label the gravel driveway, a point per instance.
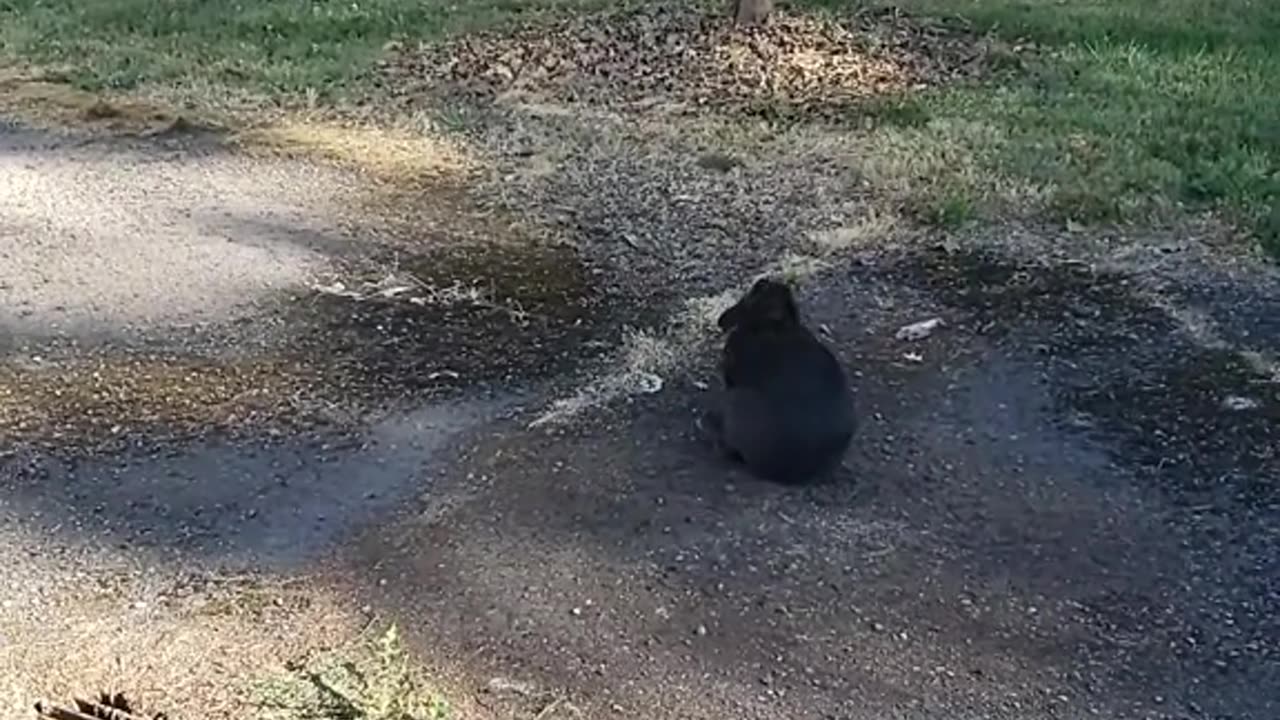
(1063, 504)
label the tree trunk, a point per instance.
(750, 12)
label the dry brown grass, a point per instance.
(40, 99)
(874, 227)
(647, 357)
(92, 395)
(191, 658)
(391, 154)
(945, 159)
(644, 361)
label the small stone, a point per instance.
(1238, 404)
(503, 685)
(718, 161)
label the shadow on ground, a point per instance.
(213, 356)
(1059, 512)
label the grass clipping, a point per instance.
(647, 356)
(377, 682)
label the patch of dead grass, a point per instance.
(390, 154)
(165, 657)
(918, 166)
(646, 357)
(796, 267)
(870, 229)
(39, 99)
(92, 397)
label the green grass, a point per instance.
(949, 210)
(271, 46)
(1134, 108)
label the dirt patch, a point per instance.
(46, 100)
(460, 316)
(1206, 425)
(1002, 550)
(1129, 371)
(108, 396)
(668, 55)
(390, 287)
(188, 650)
(400, 329)
(1001, 292)
(574, 118)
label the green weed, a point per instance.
(373, 683)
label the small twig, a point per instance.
(550, 708)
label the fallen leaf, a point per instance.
(919, 330)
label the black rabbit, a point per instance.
(786, 410)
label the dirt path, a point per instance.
(1065, 501)
(167, 441)
(1054, 517)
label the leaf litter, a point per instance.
(686, 58)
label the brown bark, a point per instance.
(750, 12)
